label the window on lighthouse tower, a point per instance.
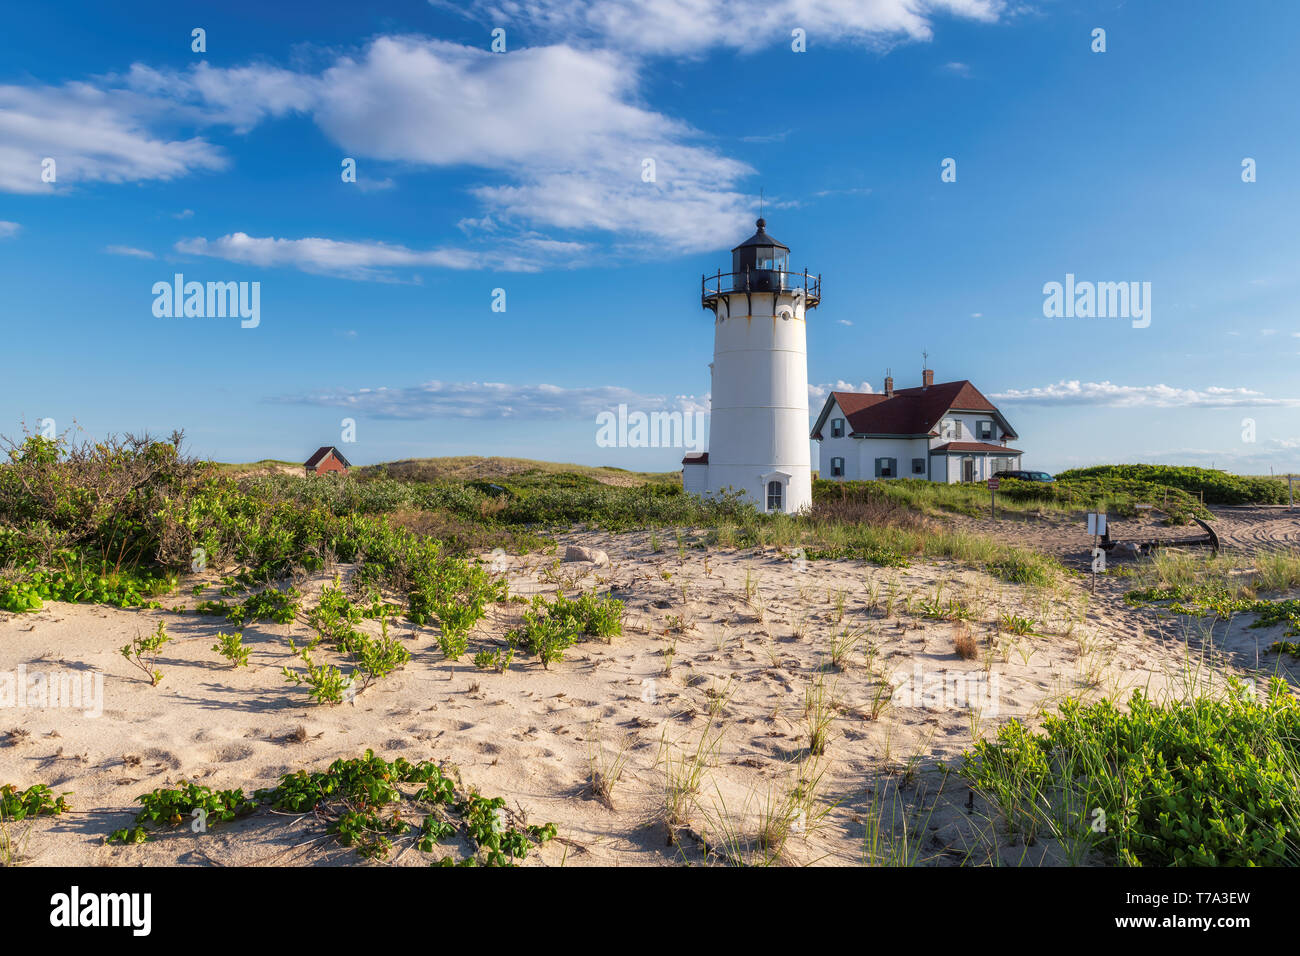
(774, 496)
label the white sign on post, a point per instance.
(1096, 523)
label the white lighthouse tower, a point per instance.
(758, 427)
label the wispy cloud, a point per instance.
(8, 229)
(93, 134)
(489, 400)
(767, 137)
(846, 191)
(378, 260)
(687, 27)
(958, 69)
(129, 251)
(1130, 396)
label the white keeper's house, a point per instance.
(946, 431)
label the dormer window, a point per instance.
(986, 431)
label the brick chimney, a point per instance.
(889, 384)
(927, 377)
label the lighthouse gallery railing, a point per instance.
(761, 280)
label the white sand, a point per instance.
(529, 734)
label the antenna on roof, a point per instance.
(760, 202)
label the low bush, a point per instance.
(1219, 487)
(1205, 782)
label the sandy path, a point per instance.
(1245, 529)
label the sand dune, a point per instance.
(747, 636)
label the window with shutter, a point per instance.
(918, 466)
(837, 428)
(837, 467)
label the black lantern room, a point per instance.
(760, 263)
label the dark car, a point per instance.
(1025, 475)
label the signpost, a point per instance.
(993, 498)
(1097, 528)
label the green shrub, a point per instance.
(1219, 487)
(144, 649)
(362, 801)
(494, 660)
(37, 800)
(269, 605)
(170, 807)
(550, 628)
(1204, 782)
(231, 647)
(326, 684)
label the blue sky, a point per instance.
(522, 171)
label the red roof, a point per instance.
(976, 446)
(322, 453)
(911, 411)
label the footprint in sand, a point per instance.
(231, 753)
(157, 755)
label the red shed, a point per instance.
(327, 459)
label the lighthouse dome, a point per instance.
(760, 262)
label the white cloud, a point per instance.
(490, 400)
(377, 260)
(818, 393)
(1129, 396)
(92, 135)
(240, 97)
(560, 133)
(8, 229)
(843, 322)
(128, 251)
(561, 124)
(958, 69)
(677, 27)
